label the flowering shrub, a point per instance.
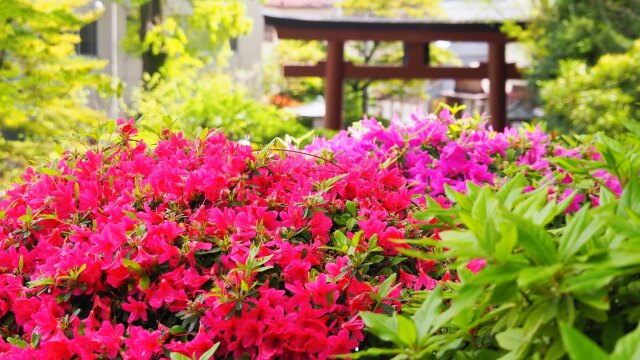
(205, 247)
(553, 286)
(432, 152)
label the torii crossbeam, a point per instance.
(416, 37)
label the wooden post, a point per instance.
(416, 54)
(498, 80)
(334, 75)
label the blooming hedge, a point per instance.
(206, 247)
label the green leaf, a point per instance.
(458, 198)
(110, 126)
(144, 282)
(578, 346)
(606, 196)
(209, 353)
(49, 171)
(17, 342)
(407, 331)
(630, 198)
(494, 275)
(503, 292)
(612, 332)
(41, 282)
(131, 215)
(511, 190)
(510, 339)
(628, 347)
(590, 280)
(368, 353)
(535, 239)
(133, 266)
(385, 288)
(350, 206)
(355, 239)
(177, 329)
(383, 326)
(425, 316)
(178, 356)
(529, 208)
(580, 229)
(537, 274)
(341, 240)
(35, 339)
(465, 301)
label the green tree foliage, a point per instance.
(390, 9)
(597, 98)
(580, 30)
(44, 84)
(213, 101)
(190, 83)
(191, 37)
(567, 38)
(39, 68)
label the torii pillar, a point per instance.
(497, 83)
(333, 87)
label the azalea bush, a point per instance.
(203, 247)
(554, 285)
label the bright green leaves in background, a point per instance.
(193, 85)
(44, 85)
(398, 8)
(594, 98)
(43, 82)
(584, 63)
(556, 285)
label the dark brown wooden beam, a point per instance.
(317, 70)
(352, 71)
(334, 76)
(414, 54)
(497, 79)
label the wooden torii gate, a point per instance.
(416, 37)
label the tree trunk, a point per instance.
(365, 99)
(150, 16)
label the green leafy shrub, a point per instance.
(596, 98)
(44, 83)
(214, 101)
(555, 285)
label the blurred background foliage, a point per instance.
(602, 97)
(184, 63)
(44, 84)
(582, 87)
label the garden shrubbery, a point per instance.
(203, 247)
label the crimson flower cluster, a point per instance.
(137, 253)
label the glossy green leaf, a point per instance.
(578, 346)
(580, 229)
(510, 339)
(133, 266)
(383, 326)
(178, 356)
(425, 317)
(628, 347)
(209, 353)
(407, 331)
